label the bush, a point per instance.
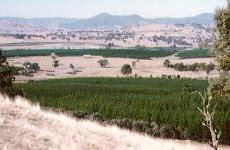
(220, 86)
(179, 67)
(72, 67)
(103, 63)
(166, 63)
(55, 63)
(193, 67)
(6, 72)
(126, 69)
(30, 68)
(7, 77)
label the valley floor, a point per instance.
(89, 67)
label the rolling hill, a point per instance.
(102, 20)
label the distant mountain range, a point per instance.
(110, 20)
(101, 20)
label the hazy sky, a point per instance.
(88, 8)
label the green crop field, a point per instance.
(137, 99)
(196, 53)
(125, 53)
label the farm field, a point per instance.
(89, 67)
(196, 53)
(124, 53)
(142, 101)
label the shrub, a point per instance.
(72, 67)
(103, 63)
(193, 67)
(31, 66)
(126, 69)
(55, 60)
(166, 63)
(6, 72)
(220, 86)
(7, 77)
(55, 63)
(179, 66)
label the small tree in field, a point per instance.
(126, 69)
(7, 77)
(6, 72)
(73, 69)
(166, 63)
(30, 68)
(55, 60)
(103, 63)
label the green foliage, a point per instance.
(55, 60)
(193, 67)
(221, 50)
(30, 68)
(220, 86)
(124, 53)
(103, 63)
(221, 46)
(224, 60)
(6, 72)
(55, 63)
(138, 99)
(193, 54)
(72, 67)
(7, 77)
(126, 69)
(166, 63)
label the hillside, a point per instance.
(102, 20)
(107, 20)
(25, 127)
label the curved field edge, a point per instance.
(131, 103)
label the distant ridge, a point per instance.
(101, 20)
(105, 19)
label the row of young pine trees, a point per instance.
(217, 87)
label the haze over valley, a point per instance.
(128, 75)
